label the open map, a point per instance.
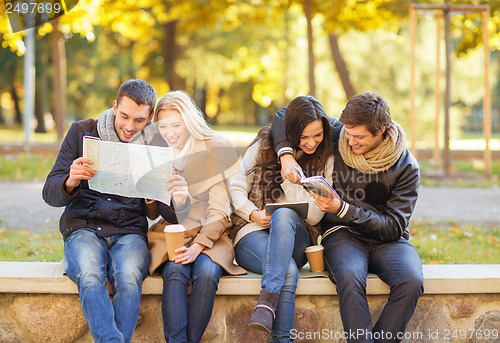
(131, 170)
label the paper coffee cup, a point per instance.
(314, 255)
(174, 236)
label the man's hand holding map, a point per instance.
(131, 170)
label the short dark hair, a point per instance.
(138, 90)
(368, 109)
(301, 112)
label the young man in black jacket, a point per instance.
(104, 234)
(365, 226)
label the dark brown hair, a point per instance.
(368, 109)
(138, 90)
(267, 168)
(301, 111)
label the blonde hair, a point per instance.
(196, 125)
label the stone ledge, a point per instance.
(48, 278)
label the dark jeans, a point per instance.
(348, 260)
(182, 322)
(277, 253)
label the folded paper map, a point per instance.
(130, 170)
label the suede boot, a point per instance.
(264, 312)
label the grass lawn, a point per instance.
(28, 247)
(456, 243)
(437, 243)
(25, 166)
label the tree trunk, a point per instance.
(214, 120)
(60, 82)
(307, 11)
(200, 99)
(42, 85)
(40, 122)
(341, 67)
(171, 52)
(19, 117)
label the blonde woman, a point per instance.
(200, 201)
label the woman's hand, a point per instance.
(178, 189)
(290, 169)
(260, 218)
(188, 255)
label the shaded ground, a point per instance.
(475, 205)
(22, 206)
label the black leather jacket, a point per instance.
(375, 207)
(107, 214)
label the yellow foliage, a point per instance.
(435, 262)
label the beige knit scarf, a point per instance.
(380, 158)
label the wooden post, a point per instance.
(445, 9)
(437, 93)
(413, 124)
(487, 96)
(447, 96)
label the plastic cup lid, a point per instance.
(314, 248)
(174, 228)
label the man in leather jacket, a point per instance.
(365, 226)
(104, 234)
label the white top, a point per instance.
(241, 185)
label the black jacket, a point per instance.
(375, 207)
(107, 214)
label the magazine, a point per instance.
(301, 208)
(316, 184)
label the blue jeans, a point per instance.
(349, 259)
(124, 259)
(277, 253)
(183, 322)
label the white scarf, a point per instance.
(107, 131)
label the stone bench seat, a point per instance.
(48, 277)
(38, 303)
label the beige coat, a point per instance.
(206, 171)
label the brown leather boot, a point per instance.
(264, 312)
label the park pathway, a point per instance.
(22, 206)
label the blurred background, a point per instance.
(241, 61)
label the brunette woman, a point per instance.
(274, 245)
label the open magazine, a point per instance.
(316, 184)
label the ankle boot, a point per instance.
(264, 312)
